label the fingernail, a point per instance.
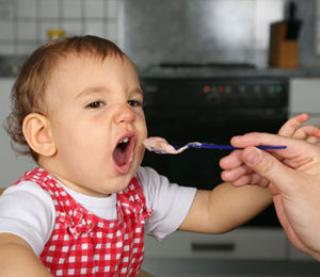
(252, 157)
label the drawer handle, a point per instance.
(206, 247)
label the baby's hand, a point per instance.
(236, 172)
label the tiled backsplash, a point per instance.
(24, 23)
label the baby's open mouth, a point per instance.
(122, 154)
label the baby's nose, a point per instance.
(124, 114)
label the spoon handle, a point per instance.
(230, 147)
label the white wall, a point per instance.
(305, 98)
(11, 166)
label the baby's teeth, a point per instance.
(125, 140)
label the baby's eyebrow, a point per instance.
(102, 89)
(91, 90)
(137, 91)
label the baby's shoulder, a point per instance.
(27, 211)
(147, 177)
(28, 187)
(27, 192)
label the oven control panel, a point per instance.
(244, 94)
(234, 94)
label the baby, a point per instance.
(78, 110)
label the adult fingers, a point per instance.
(290, 127)
(294, 147)
(235, 173)
(306, 132)
(270, 168)
(232, 160)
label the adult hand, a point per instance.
(295, 200)
(238, 173)
(294, 182)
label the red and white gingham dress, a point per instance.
(83, 244)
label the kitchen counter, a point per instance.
(203, 72)
(10, 66)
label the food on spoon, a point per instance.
(159, 145)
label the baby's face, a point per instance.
(97, 122)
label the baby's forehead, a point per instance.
(78, 59)
(86, 67)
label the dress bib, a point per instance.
(83, 244)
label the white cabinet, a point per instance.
(192, 254)
(11, 166)
(243, 243)
(305, 97)
(296, 255)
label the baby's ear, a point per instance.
(37, 132)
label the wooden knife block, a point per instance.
(283, 53)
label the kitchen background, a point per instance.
(151, 31)
(215, 51)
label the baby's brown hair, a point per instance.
(30, 86)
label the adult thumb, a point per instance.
(269, 167)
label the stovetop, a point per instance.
(209, 65)
(212, 69)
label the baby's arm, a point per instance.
(18, 259)
(26, 220)
(225, 208)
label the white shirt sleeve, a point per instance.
(169, 202)
(27, 211)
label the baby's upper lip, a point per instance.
(128, 135)
(131, 136)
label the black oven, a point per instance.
(210, 109)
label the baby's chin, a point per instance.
(118, 184)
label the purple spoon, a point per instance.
(162, 146)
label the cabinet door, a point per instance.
(304, 96)
(243, 243)
(11, 165)
(296, 255)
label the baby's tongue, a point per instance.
(120, 156)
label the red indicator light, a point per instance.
(206, 89)
(220, 89)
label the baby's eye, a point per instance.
(135, 103)
(95, 104)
